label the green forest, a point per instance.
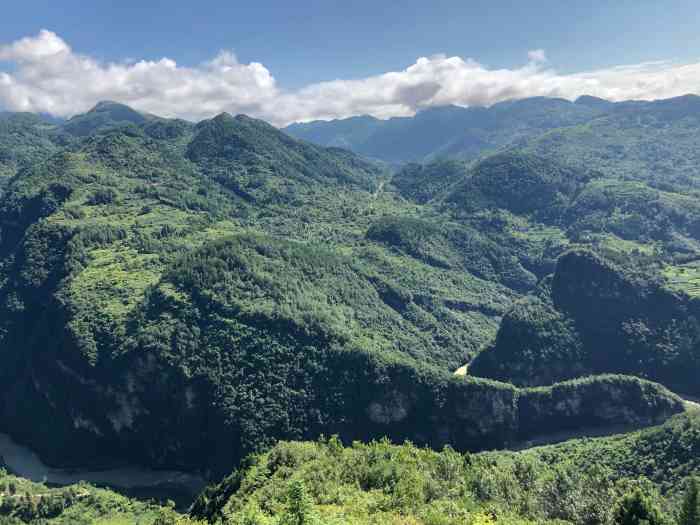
(479, 316)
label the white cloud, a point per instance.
(48, 76)
(46, 44)
(537, 55)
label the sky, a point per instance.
(288, 61)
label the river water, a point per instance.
(23, 462)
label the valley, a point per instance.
(223, 304)
(23, 462)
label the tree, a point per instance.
(299, 509)
(250, 515)
(168, 516)
(638, 508)
(690, 511)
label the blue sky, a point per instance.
(310, 41)
(302, 44)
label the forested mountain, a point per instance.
(450, 131)
(598, 316)
(655, 136)
(182, 295)
(104, 115)
(655, 142)
(24, 139)
(206, 290)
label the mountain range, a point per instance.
(469, 133)
(227, 295)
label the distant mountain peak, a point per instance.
(103, 104)
(226, 117)
(223, 116)
(105, 114)
(441, 109)
(583, 99)
(110, 105)
(593, 102)
(446, 131)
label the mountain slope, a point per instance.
(25, 139)
(599, 317)
(183, 295)
(521, 184)
(655, 142)
(23, 502)
(104, 115)
(264, 160)
(450, 131)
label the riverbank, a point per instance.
(131, 479)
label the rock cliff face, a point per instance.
(594, 402)
(151, 413)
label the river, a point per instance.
(23, 462)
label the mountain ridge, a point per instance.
(478, 130)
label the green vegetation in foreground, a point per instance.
(665, 454)
(23, 501)
(586, 481)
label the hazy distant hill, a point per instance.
(448, 131)
(615, 132)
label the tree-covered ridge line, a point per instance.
(450, 131)
(470, 133)
(23, 501)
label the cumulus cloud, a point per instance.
(48, 76)
(45, 44)
(537, 55)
